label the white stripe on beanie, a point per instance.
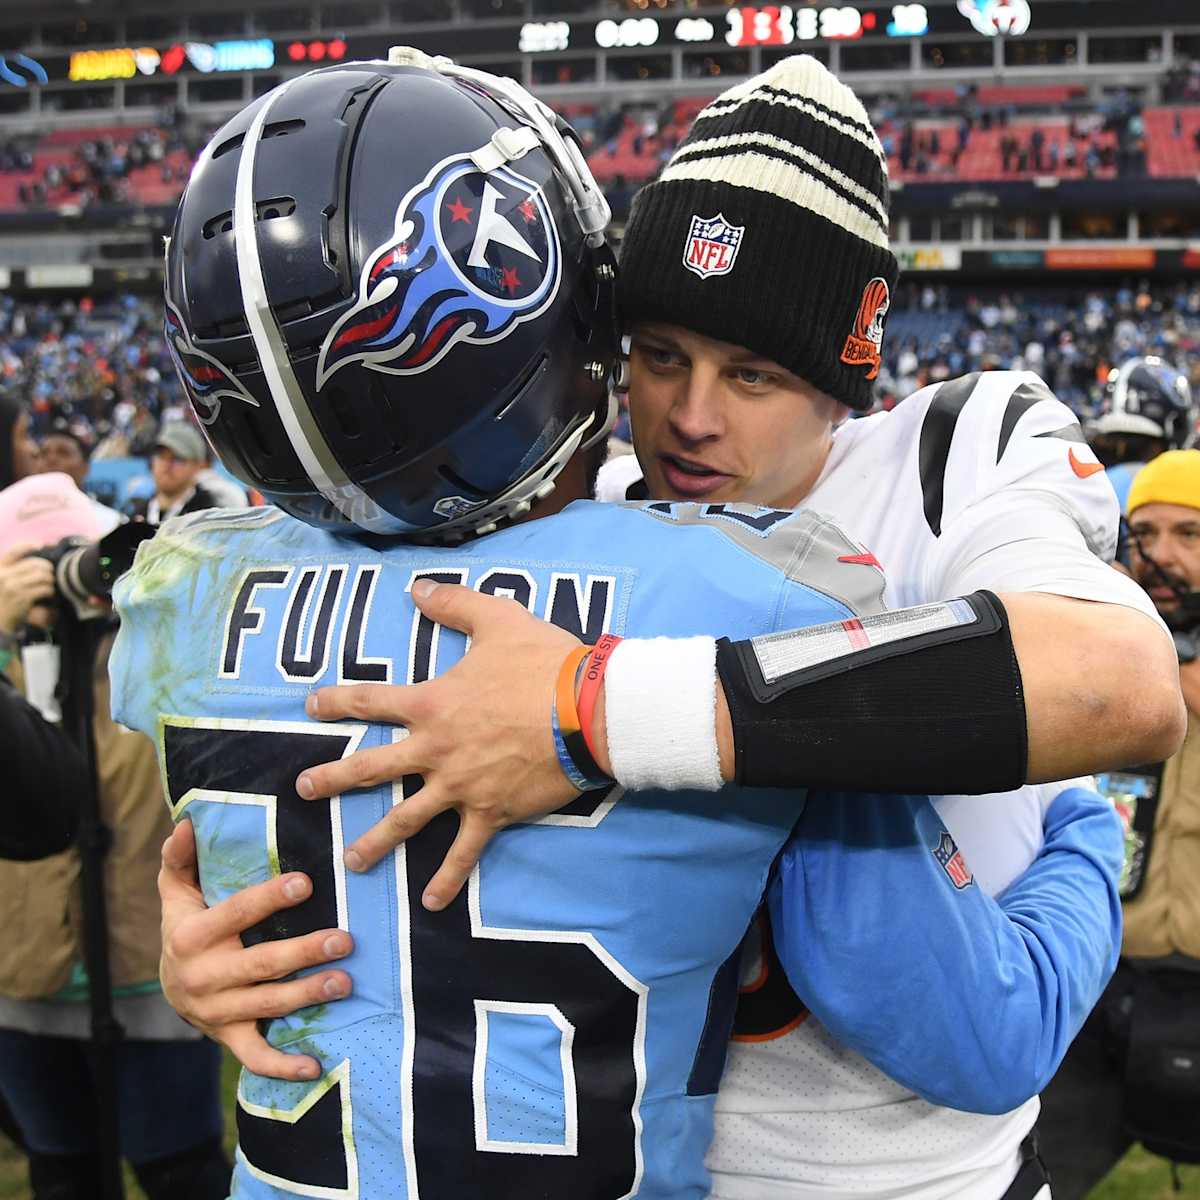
(768, 141)
(785, 181)
(801, 82)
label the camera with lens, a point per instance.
(85, 570)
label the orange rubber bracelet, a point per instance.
(564, 692)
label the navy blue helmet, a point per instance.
(390, 299)
(1146, 397)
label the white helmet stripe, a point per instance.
(313, 451)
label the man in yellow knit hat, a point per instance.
(1134, 1072)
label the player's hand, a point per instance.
(221, 986)
(479, 735)
(23, 582)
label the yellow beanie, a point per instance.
(1171, 478)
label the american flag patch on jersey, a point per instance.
(950, 859)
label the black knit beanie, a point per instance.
(769, 229)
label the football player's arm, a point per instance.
(1074, 686)
(225, 988)
(968, 1001)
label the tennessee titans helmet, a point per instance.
(390, 300)
(1146, 397)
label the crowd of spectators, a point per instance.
(924, 139)
(97, 170)
(925, 134)
(937, 333)
(101, 366)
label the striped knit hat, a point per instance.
(769, 229)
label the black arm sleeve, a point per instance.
(934, 713)
(43, 778)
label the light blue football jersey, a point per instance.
(560, 1030)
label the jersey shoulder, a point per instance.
(1002, 437)
(801, 545)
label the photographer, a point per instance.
(39, 805)
(164, 1077)
(39, 809)
(1134, 1072)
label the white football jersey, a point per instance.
(980, 482)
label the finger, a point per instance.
(31, 570)
(237, 913)
(17, 552)
(363, 769)
(258, 1056)
(460, 607)
(460, 861)
(273, 960)
(267, 1001)
(390, 704)
(178, 881)
(401, 822)
(179, 850)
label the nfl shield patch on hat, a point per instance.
(712, 246)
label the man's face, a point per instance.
(60, 453)
(715, 422)
(173, 475)
(25, 457)
(1170, 535)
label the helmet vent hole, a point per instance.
(221, 223)
(229, 144)
(271, 210)
(282, 128)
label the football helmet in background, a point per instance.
(390, 299)
(1146, 397)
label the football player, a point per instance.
(559, 1029)
(1147, 408)
(752, 278)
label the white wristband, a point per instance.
(660, 704)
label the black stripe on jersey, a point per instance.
(687, 154)
(1068, 433)
(937, 432)
(1019, 403)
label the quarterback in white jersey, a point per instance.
(983, 481)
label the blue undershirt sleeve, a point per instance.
(969, 1001)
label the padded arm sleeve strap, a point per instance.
(925, 699)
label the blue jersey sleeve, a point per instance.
(969, 1001)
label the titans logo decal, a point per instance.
(472, 255)
(206, 380)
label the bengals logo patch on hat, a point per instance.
(863, 346)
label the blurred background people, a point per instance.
(180, 457)
(68, 449)
(167, 1075)
(1133, 1073)
(1146, 409)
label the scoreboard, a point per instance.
(738, 26)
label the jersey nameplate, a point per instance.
(318, 618)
